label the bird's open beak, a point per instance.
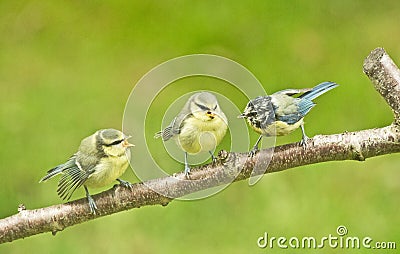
(210, 114)
(126, 144)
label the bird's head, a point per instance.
(113, 142)
(259, 112)
(249, 111)
(204, 106)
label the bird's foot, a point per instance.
(92, 205)
(187, 171)
(125, 184)
(303, 142)
(253, 152)
(213, 159)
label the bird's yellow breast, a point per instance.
(278, 128)
(107, 171)
(199, 136)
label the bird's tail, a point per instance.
(318, 90)
(51, 173)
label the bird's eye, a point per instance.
(116, 142)
(202, 107)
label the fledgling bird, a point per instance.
(280, 114)
(199, 127)
(101, 159)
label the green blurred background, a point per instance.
(67, 68)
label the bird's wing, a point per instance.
(174, 128)
(57, 170)
(293, 91)
(292, 112)
(75, 172)
(169, 131)
(305, 106)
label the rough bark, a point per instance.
(231, 166)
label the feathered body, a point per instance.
(280, 113)
(101, 159)
(199, 127)
(201, 135)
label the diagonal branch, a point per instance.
(385, 76)
(346, 146)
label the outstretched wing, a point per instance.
(73, 176)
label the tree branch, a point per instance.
(385, 76)
(346, 146)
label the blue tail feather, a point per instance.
(318, 90)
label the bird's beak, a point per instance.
(126, 144)
(241, 116)
(210, 114)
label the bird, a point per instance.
(280, 113)
(199, 127)
(101, 159)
